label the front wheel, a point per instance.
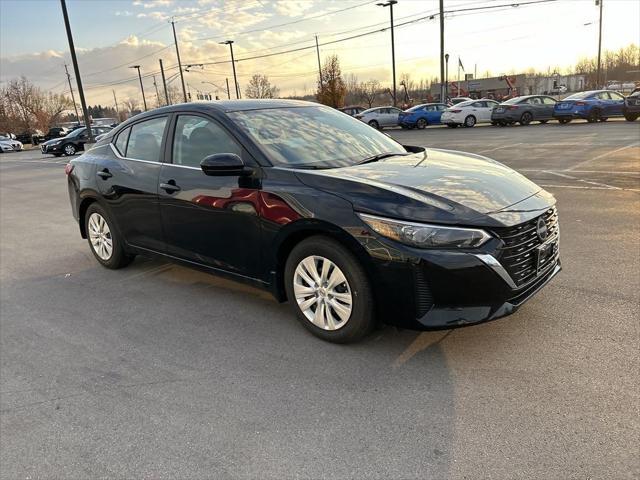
(329, 290)
(104, 241)
(421, 124)
(69, 149)
(593, 116)
(470, 121)
(630, 118)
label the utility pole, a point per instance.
(390, 4)
(164, 83)
(599, 2)
(175, 39)
(442, 81)
(76, 70)
(73, 99)
(115, 102)
(144, 100)
(458, 89)
(446, 78)
(228, 91)
(319, 67)
(233, 64)
(157, 93)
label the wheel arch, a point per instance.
(82, 211)
(300, 231)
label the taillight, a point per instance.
(580, 103)
(68, 168)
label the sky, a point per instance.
(112, 35)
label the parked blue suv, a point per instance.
(422, 115)
(592, 106)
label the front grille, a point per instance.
(519, 254)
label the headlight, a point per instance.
(423, 235)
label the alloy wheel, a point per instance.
(69, 149)
(100, 236)
(322, 292)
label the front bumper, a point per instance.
(51, 148)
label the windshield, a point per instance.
(417, 107)
(579, 95)
(77, 132)
(3, 138)
(313, 137)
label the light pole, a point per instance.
(390, 4)
(446, 77)
(233, 64)
(599, 2)
(144, 100)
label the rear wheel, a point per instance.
(69, 149)
(329, 290)
(526, 118)
(470, 121)
(630, 117)
(594, 115)
(374, 124)
(421, 123)
(104, 241)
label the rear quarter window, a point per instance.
(121, 141)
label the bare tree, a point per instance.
(332, 89)
(369, 91)
(260, 87)
(353, 94)
(131, 106)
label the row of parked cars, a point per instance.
(593, 106)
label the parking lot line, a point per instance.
(606, 154)
(500, 148)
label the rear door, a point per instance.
(209, 220)
(128, 182)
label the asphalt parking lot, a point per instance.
(157, 371)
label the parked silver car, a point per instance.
(380, 117)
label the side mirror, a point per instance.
(224, 164)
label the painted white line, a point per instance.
(581, 180)
(584, 187)
(582, 171)
(500, 148)
(606, 154)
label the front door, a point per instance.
(615, 103)
(209, 220)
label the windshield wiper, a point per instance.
(380, 156)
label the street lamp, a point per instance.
(144, 100)
(390, 4)
(446, 77)
(233, 64)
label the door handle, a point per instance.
(104, 173)
(170, 187)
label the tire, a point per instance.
(69, 149)
(594, 115)
(98, 236)
(374, 124)
(452, 125)
(304, 267)
(564, 120)
(421, 124)
(604, 119)
(630, 117)
(494, 123)
(543, 121)
(470, 121)
(526, 118)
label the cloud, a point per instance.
(123, 13)
(293, 8)
(152, 3)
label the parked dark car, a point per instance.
(524, 110)
(56, 132)
(353, 110)
(320, 209)
(34, 137)
(593, 106)
(72, 143)
(631, 107)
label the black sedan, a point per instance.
(72, 143)
(320, 209)
(524, 110)
(631, 107)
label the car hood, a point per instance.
(52, 141)
(434, 185)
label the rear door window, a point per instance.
(121, 141)
(145, 139)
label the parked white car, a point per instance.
(8, 144)
(380, 117)
(469, 113)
